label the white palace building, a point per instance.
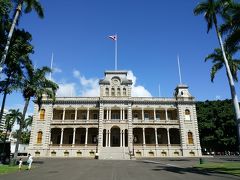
(116, 125)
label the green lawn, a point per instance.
(5, 169)
(226, 167)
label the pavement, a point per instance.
(140, 169)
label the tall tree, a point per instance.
(211, 9)
(231, 26)
(12, 117)
(29, 6)
(16, 61)
(218, 63)
(217, 126)
(35, 84)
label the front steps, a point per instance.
(116, 153)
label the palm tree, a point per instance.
(218, 63)
(35, 84)
(12, 117)
(29, 6)
(211, 9)
(231, 27)
(17, 59)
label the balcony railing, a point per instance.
(71, 121)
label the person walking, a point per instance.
(20, 164)
(29, 161)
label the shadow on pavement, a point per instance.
(179, 170)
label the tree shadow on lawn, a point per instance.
(206, 172)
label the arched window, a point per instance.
(107, 92)
(113, 92)
(187, 114)
(118, 92)
(39, 137)
(190, 138)
(124, 92)
(42, 114)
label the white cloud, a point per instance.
(57, 70)
(218, 97)
(66, 90)
(137, 91)
(89, 87)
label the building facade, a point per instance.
(116, 125)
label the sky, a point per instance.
(151, 34)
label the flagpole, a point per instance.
(159, 90)
(116, 53)
(179, 70)
(50, 76)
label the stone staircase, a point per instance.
(108, 153)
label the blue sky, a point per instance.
(151, 34)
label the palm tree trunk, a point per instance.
(18, 10)
(232, 86)
(20, 127)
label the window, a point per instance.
(146, 116)
(95, 116)
(84, 115)
(157, 116)
(42, 114)
(72, 116)
(190, 138)
(118, 92)
(135, 116)
(115, 116)
(124, 92)
(107, 92)
(187, 114)
(39, 137)
(113, 92)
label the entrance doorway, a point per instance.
(115, 137)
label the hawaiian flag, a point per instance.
(113, 37)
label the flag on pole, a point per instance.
(113, 37)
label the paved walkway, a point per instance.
(76, 169)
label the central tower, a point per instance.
(115, 84)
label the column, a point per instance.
(61, 141)
(156, 137)
(87, 114)
(109, 138)
(107, 114)
(86, 137)
(154, 114)
(106, 138)
(144, 142)
(63, 118)
(121, 136)
(74, 134)
(110, 111)
(168, 136)
(143, 114)
(166, 114)
(75, 114)
(121, 114)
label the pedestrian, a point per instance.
(29, 161)
(20, 164)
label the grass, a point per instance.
(5, 169)
(226, 167)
